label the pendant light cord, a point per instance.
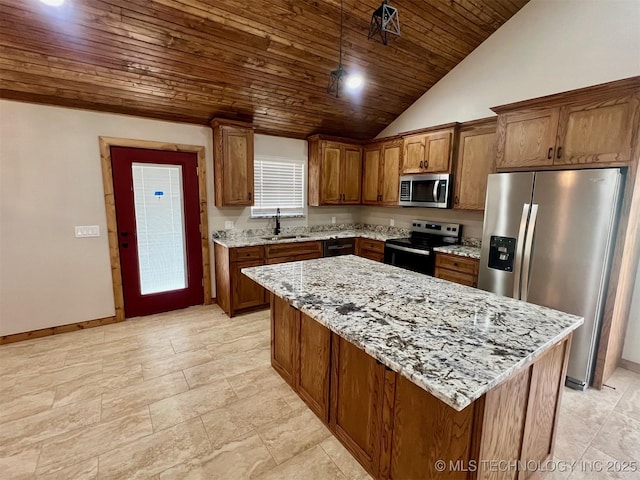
(341, 16)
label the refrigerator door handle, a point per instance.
(517, 270)
(528, 246)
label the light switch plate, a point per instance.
(392, 222)
(85, 231)
(228, 224)
(333, 220)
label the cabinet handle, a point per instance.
(559, 152)
(457, 200)
(421, 162)
(249, 195)
(426, 163)
(550, 153)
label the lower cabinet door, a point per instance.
(246, 292)
(357, 382)
(285, 321)
(426, 430)
(312, 375)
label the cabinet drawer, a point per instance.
(293, 249)
(373, 245)
(455, 262)
(247, 253)
(293, 258)
(456, 277)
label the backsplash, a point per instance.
(472, 242)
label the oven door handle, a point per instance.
(408, 249)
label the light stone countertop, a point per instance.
(306, 237)
(460, 250)
(455, 342)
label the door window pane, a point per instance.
(159, 209)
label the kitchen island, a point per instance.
(408, 370)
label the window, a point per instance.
(279, 183)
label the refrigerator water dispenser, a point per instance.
(502, 252)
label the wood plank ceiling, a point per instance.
(265, 61)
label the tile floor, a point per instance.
(190, 394)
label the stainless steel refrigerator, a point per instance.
(548, 239)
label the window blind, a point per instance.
(278, 183)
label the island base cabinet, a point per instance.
(285, 324)
(357, 382)
(424, 431)
(312, 374)
(397, 431)
(300, 353)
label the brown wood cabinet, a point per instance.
(593, 128)
(475, 160)
(335, 172)
(300, 353)
(235, 291)
(381, 173)
(371, 249)
(357, 382)
(292, 252)
(429, 151)
(454, 268)
(397, 430)
(233, 163)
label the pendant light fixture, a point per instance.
(337, 76)
(383, 21)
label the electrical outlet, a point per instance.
(333, 220)
(392, 222)
(87, 231)
(228, 225)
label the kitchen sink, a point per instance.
(285, 237)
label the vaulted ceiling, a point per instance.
(265, 61)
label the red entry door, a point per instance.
(158, 216)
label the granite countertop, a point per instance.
(455, 342)
(307, 237)
(460, 250)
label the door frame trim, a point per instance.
(109, 202)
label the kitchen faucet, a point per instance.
(276, 231)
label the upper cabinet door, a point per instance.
(527, 139)
(330, 173)
(414, 154)
(238, 167)
(371, 176)
(233, 164)
(475, 161)
(391, 160)
(597, 132)
(351, 179)
(438, 152)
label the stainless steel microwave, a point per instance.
(426, 190)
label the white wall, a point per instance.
(632, 341)
(51, 180)
(549, 46)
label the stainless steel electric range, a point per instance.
(416, 252)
